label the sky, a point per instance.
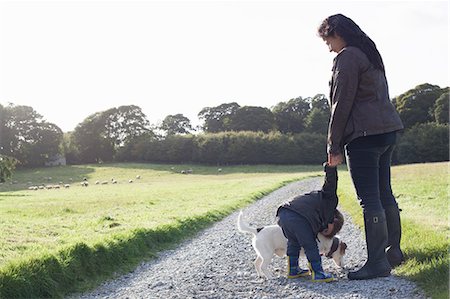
(70, 59)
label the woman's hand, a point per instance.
(335, 160)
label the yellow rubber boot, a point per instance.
(294, 271)
(317, 273)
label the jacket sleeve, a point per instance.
(329, 186)
(344, 88)
(329, 194)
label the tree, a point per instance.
(416, 105)
(317, 119)
(7, 166)
(2, 128)
(251, 118)
(440, 109)
(70, 149)
(27, 137)
(18, 123)
(91, 140)
(176, 124)
(319, 101)
(125, 123)
(217, 119)
(102, 134)
(47, 144)
(290, 116)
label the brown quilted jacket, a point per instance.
(359, 101)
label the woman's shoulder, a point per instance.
(352, 55)
(351, 51)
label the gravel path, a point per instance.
(218, 263)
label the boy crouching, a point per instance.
(302, 218)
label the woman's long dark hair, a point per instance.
(352, 35)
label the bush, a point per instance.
(177, 148)
(210, 148)
(423, 143)
(311, 148)
(245, 147)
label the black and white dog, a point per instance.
(270, 240)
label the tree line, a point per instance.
(27, 137)
(125, 134)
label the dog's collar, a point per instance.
(333, 248)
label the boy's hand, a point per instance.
(327, 232)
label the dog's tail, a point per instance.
(243, 226)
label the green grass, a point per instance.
(54, 242)
(422, 194)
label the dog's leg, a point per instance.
(264, 266)
(280, 252)
(258, 263)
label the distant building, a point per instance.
(56, 160)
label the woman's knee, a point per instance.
(371, 206)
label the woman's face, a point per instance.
(335, 43)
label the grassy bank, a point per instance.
(57, 241)
(422, 193)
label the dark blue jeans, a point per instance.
(299, 233)
(370, 170)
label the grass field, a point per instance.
(422, 191)
(52, 240)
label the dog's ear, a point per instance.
(343, 247)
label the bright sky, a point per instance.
(69, 59)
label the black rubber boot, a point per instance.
(377, 264)
(394, 254)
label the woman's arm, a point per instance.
(345, 86)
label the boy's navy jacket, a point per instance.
(318, 206)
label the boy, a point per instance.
(303, 217)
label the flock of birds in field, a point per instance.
(85, 182)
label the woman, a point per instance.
(364, 124)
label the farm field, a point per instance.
(56, 223)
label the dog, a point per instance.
(270, 240)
